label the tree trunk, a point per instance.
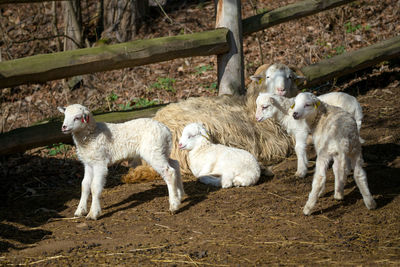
(73, 25)
(122, 18)
(230, 65)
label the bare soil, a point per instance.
(258, 225)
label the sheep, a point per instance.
(102, 144)
(336, 137)
(277, 107)
(279, 79)
(348, 103)
(236, 167)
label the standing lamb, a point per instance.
(277, 107)
(279, 79)
(336, 137)
(236, 167)
(102, 144)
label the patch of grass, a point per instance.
(137, 103)
(350, 28)
(112, 97)
(340, 49)
(59, 148)
(165, 84)
(210, 87)
(201, 69)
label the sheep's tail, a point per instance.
(211, 180)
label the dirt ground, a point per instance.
(258, 225)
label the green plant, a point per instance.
(340, 50)
(165, 84)
(144, 102)
(126, 106)
(211, 87)
(59, 148)
(112, 97)
(202, 69)
(350, 28)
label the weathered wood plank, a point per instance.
(350, 62)
(42, 68)
(289, 12)
(49, 133)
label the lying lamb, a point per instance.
(279, 79)
(277, 107)
(336, 137)
(236, 167)
(102, 144)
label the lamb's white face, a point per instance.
(279, 81)
(76, 118)
(265, 107)
(305, 105)
(191, 135)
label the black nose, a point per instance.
(295, 115)
(64, 127)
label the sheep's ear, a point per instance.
(272, 101)
(299, 79)
(61, 109)
(257, 78)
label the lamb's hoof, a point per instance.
(174, 206)
(301, 174)
(93, 215)
(80, 212)
(307, 210)
(338, 196)
(371, 204)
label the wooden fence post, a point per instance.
(230, 65)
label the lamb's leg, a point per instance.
(99, 180)
(175, 164)
(169, 174)
(86, 182)
(340, 172)
(301, 152)
(361, 180)
(317, 184)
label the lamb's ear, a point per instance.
(61, 109)
(257, 78)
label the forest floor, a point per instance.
(257, 225)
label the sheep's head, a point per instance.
(192, 135)
(266, 106)
(77, 118)
(279, 79)
(305, 105)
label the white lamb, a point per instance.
(347, 102)
(336, 137)
(102, 144)
(235, 167)
(277, 107)
(279, 79)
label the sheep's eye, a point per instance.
(265, 107)
(77, 118)
(267, 77)
(307, 105)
